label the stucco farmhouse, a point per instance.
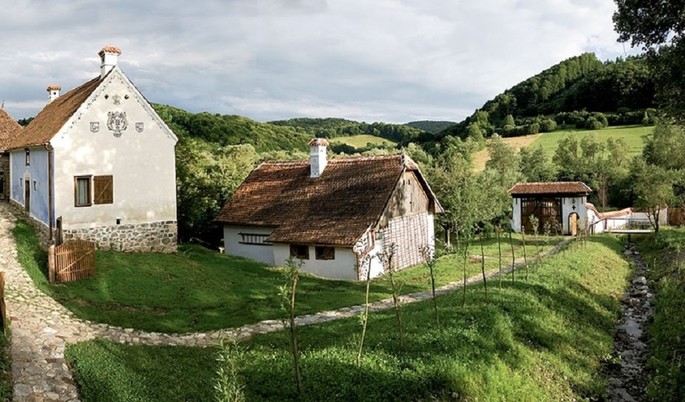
(338, 216)
(97, 163)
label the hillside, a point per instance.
(620, 91)
(431, 126)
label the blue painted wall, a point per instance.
(38, 171)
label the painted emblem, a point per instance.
(140, 126)
(116, 121)
(94, 126)
(116, 99)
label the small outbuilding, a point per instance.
(560, 207)
(337, 216)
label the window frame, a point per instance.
(89, 191)
(324, 253)
(27, 157)
(255, 239)
(296, 251)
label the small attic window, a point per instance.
(27, 160)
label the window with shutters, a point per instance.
(103, 189)
(82, 191)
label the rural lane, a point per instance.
(41, 328)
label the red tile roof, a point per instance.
(555, 187)
(334, 209)
(8, 129)
(110, 49)
(53, 116)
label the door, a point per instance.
(27, 195)
(573, 223)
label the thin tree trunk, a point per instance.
(525, 257)
(482, 267)
(499, 249)
(293, 338)
(365, 314)
(466, 255)
(398, 315)
(513, 258)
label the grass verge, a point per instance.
(665, 254)
(200, 290)
(541, 339)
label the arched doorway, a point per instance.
(573, 223)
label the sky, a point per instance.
(367, 60)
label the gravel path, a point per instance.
(41, 327)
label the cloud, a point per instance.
(389, 60)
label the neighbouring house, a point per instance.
(338, 216)
(600, 222)
(8, 129)
(98, 163)
(560, 207)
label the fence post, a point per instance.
(51, 264)
(3, 308)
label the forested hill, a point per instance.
(333, 127)
(581, 83)
(431, 126)
(223, 130)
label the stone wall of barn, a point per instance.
(143, 237)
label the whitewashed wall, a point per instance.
(233, 245)
(342, 267)
(566, 210)
(142, 163)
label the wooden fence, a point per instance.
(71, 261)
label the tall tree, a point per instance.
(659, 27)
(535, 164)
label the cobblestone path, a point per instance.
(41, 327)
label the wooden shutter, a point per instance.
(104, 189)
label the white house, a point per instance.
(98, 163)
(560, 207)
(338, 216)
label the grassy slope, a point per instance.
(200, 290)
(665, 255)
(360, 141)
(549, 141)
(542, 339)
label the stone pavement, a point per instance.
(41, 327)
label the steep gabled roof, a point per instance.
(9, 129)
(53, 116)
(334, 209)
(554, 187)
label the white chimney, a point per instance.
(53, 92)
(317, 156)
(108, 59)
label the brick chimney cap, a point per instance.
(54, 87)
(319, 142)
(110, 49)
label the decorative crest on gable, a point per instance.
(116, 121)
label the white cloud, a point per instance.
(390, 60)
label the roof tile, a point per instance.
(335, 208)
(555, 187)
(8, 130)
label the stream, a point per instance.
(627, 367)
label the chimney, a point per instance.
(53, 92)
(108, 59)
(317, 156)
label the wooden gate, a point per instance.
(547, 210)
(71, 261)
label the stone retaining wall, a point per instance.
(143, 237)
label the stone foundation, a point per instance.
(144, 237)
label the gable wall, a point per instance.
(142, 165)
(408, 198)
(5, 168)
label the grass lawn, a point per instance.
(200, 290)
(549, 141)
(665, 254)
(360, 141)
(631, 134)
(540, 339)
